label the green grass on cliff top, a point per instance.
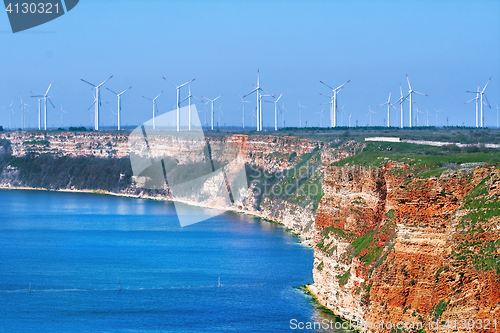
(378, 153)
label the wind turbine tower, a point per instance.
(276, 112)
(178, 88)
(45, 98)
(370, 115)
(388, 109)
(410, 93)
(154, 106)
(97, 100)
(119, 103)
(23, 112)
(300, 114)
(243, 110)
(212, 109)
(483, 96)
(12, 111)
(400, 101)
(258, 89)
(189, 106)
(333, 108)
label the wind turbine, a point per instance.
(220, 111)
(243, 111)
(23, 111)
(39, 114)
(154, 105)
(45, 98)
(275, 111)
(258, 89)
(477, 105)
(97, 101)
(212, 108)
(497, 114)
(62, 112)
(112, 114)
(119, 103)
(300, 114)
(410, 93)
(480, 93)
(370, 115)
(178, 88)
(418, 111)
(189, 106)
(400, 101)
(350, 114)
(11, 110)
(321, 117)
(254, 115)
(389, 108)
(342, 112)
(333, 117)
(437, 111)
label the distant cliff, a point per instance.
(401, 233)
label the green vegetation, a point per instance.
(39, 142)
(77, 129)
(480, 244)
(344, 278)
(46, 171)
(438, 309)
(376, 154)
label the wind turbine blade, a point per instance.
(51, 103)
(182, 85)
(251, 92)
(112, 91)
(471, 100)
(50, 85)
(217, 97)
(326, 84)
(124, 91)
(383, 104)
(93, 85)
(407, 79)
(91, 105)
(170, 82)
(38, 96)
(104, 81)
(158, 95)
(147, 98)
(486, 85)
(341, 86)
(326, 95)
(488, 105)
(420, 93)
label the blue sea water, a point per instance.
(76, 250)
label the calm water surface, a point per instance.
(76, 250)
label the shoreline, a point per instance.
(303, 241)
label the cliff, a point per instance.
(400, 233)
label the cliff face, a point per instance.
(412, 250)
(392, 241)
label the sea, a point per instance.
(83, 262)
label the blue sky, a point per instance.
(446, 48)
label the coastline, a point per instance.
(302, 241)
